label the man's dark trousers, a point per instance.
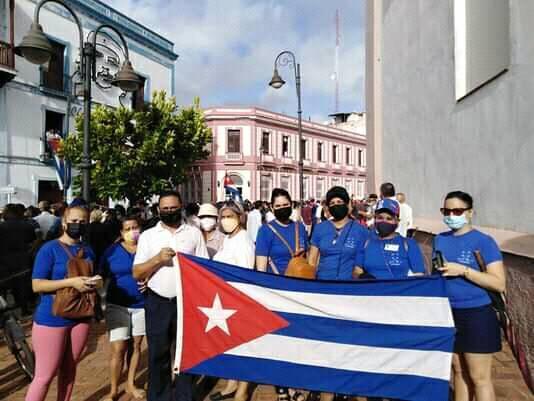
(160, 316)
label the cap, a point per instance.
(207, 209)
(337, 192)
(388, 206)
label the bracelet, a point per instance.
(466, 272)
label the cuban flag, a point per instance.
(375, 338)
(229, 187)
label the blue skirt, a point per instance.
(477, 330)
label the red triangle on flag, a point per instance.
(217, 317)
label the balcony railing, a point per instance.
(7, 55)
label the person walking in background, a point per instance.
(45, 219)
(406, 215)
(125, 313)
(58, 342)
(478, 335)
(307, 213)
(254, 221)
(156, 261)
(208, 216)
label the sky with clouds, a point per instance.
(227, 50)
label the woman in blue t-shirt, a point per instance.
(58, 342)
(336, 243)
(273, 253)
(125, 313)
(477, 330)
(386, 253)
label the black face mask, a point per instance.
(339, 212)
(171, 218)
(283, 214)
(384, 229)
(75, 230)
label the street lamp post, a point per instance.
(36, 48)
(288, 58)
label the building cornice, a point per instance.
(264, 116)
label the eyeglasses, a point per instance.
(457, 211)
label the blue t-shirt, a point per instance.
(338, 249)
(116, 264)
(51, 264)
(391, 258)
(268, 244)
(459, 249)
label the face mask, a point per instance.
(171, 218)
(283, 214)
(384, 229)
(229, 225)
(208, 223)
(132, 236)
(339, 212)
(455, 222)
(75, 230)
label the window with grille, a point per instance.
(265, 142)
(234, 141)
(53, 77)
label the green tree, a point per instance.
(138, 154)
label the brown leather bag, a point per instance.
(70, 303)
(298, 266)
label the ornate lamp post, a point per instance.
(36, 48)
(283, 59)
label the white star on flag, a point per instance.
(217, 316)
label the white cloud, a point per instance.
(227, 49)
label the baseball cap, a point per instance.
(207, 209)
(388, 206)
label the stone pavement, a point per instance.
(93, 375)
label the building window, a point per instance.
(266, 183)
(285, 146)
(53, 133)
(360, 157)
(285, 182)
(361, 189)
(347, 156)
(307, 187)
(320, 151)
(304, 149)
(234, 141)
(334, 154)
(265, 142)
(53, 77)
(138, 97)
(319, 192)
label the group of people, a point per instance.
(347, 241)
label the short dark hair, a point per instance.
(130, 217)
(372, 196)
(463, 196)
(192, 209)
(169, 193)
(387, 189)
(279, 192)
(258, 204)
(337, 192)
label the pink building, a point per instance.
(258, 149)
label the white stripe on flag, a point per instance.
(357, 358)
(412, 311)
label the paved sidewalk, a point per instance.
(93, 375)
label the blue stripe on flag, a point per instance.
(405, 387)
(428, 286)
(368, 334)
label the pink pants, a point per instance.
(57, 350)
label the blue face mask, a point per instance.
(455, 222)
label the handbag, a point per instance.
(298, 266)
(70, 303)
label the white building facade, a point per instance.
(258, 150)
(38, 103)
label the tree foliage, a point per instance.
(138, 154)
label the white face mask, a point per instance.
(208, 223)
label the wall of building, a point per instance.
(432, 144)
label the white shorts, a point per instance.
(124, 323)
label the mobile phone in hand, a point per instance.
(437, 262)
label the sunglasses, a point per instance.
(457, 211)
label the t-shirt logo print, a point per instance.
(217, 315)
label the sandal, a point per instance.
(298, 396)
(218, 396)
(137, 394)
(313, 396)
